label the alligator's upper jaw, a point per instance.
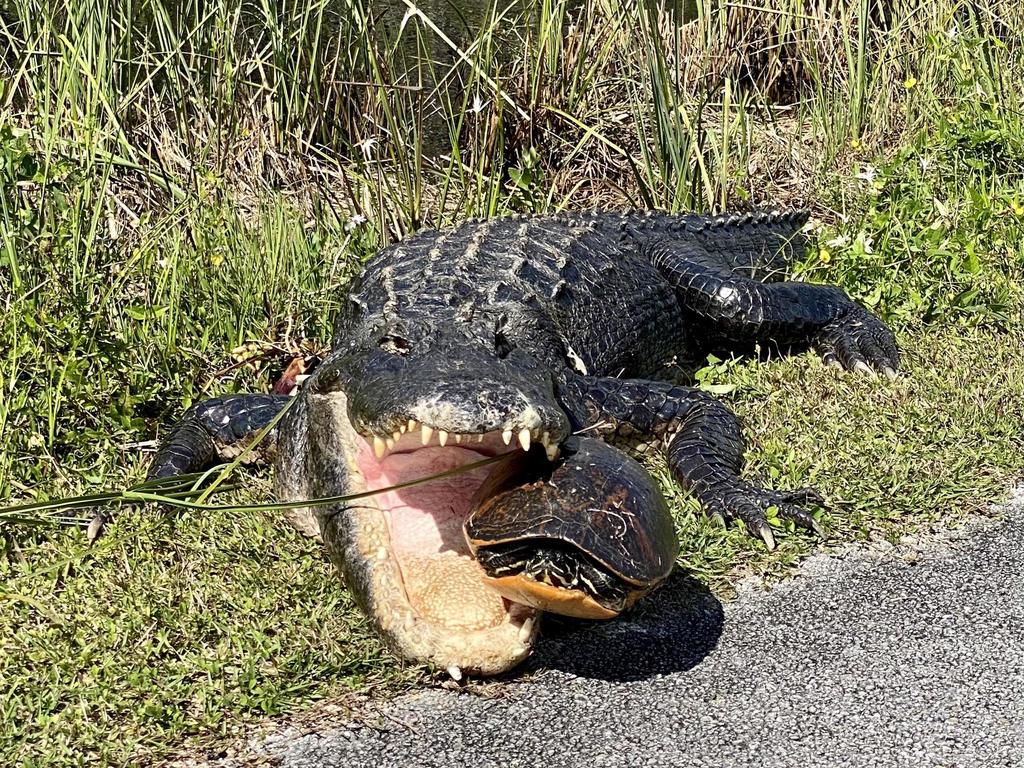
(404, 552)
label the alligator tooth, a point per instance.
(379, 447)
(458, 438)
(524, 439)
(413, 424)
(426, 434)
(397, 436)
(526, 630)
(402, 428)
(455, 673)
(507, 436)
(480, 437)
(389, 443)
(442, 437)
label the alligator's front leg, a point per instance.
(219, 428)
(703, 441)
(738, 309)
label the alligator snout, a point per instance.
(478, 407)
(441, 396)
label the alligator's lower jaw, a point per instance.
(403, 553)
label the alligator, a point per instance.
(495, 336)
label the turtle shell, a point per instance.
(552, 599)
(595, 498)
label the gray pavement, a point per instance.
(890, 656)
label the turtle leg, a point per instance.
(219, 428)
(735, 308)
(702, 439)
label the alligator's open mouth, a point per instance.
(443, 582)
(409, 552)
(403, 552)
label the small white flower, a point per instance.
(838, 242)
(953, 32)
(478, 105)
(367, 146)
(868, 174)
(926, 163)
(355, 221)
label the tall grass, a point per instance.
(270, 94)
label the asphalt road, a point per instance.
(899, 656)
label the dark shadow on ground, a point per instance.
(671, 630)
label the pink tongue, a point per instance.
(426, 518)
(443, 582)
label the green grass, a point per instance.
(940, 443)
(186, 188)
(121, 648)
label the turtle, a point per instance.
(586, 536)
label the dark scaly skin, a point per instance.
(532, 327)
(704, 443)
(743, 309)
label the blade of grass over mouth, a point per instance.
(190, 495)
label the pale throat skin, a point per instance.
(459, 344)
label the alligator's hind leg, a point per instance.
(703, 441)
(219, 428)
(739, 309)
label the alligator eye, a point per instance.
(395, 345)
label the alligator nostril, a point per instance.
(502, 345)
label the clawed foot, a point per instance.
(750, 505)
(858, 341)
